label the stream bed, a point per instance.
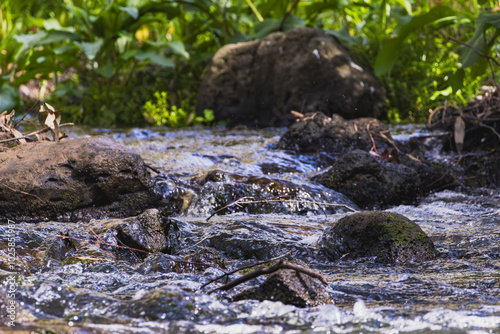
(459, 292)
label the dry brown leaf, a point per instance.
(5, 120)
(18, 135)
(459, 133)
(6, 125)
(52, 118)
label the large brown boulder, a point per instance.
(79, 178)
(303, 69)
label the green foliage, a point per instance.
(408, 45)
(160, 112)
(107, 58)
(207, 118)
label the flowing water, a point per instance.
(458, 292)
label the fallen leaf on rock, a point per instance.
(52, 118)
(459, 133)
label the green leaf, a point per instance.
(9, 97)
(128, 54)
(106, 70)
(90, 49)
(292, 22)
(344, 37)
(387, 55)
(392, 47)
(478, 40)
(29, 41)
(457, 80)
(178, 48)
(56, 36)
(131, 10)
(155, 58)
(238, 37)
(315, 7)
(479, 68)
(264, 28)
(406, 4)
(169, 8)
(51, 24)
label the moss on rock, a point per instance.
(389, 237)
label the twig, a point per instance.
(131, 248)
(491, 128)
(27, 113)
(104, 243)
(196, 244)
(98, 237)
(244, 267)
(374, 147)
(280, 27)
(34, 133)
(241, 200)
(264, 271)
(153, 169)
(24, 193)
(381, 135)
(479, 52)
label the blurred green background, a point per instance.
(107, 63)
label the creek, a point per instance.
(457, 292)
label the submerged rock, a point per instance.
(389, 237)
(304, 69)
(289, 287)
(218, 189)
(109, 240)
(78, 178)
(149, 231)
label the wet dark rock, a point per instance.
(246, 239)
(303, 69)
(271, 195)
(389, 237)
(149, 231)
(289, 287)
(176, 194)
(370, 181)
(73, 179)
(163, 303)
(365, 163)
(316, 132)
(157, 263)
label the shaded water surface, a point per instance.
(457, 292)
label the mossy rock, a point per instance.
(389, 237)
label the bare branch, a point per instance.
(243, 200)
(24, 193)
(244, 267)
(34, 133)
(287, 14)
(264, 271)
